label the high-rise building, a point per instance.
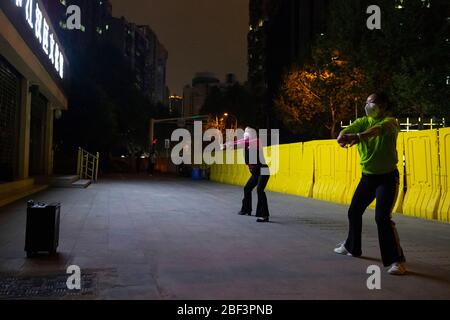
(194, 96)
(139, 45)
(281, 33)
(95, 17)
(160, 90)
(146, 56)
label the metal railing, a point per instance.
(87, 165)
(418, 124)
(414, 124)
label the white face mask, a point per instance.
(372, 110)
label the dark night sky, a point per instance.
(200, 35)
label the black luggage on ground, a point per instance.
(42, 233)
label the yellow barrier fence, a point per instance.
(307, 171)
(214, 172)
(354, 174)
(444, 151)
(322, 170)
(280, 180)
(293, 181)
(342, 174)
(268, 155)
(422, 174)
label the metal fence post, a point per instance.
(96, 167)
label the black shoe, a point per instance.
(265, 219)
(244, 213)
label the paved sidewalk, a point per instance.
(139, 237)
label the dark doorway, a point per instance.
(9, 121)
(37, 134)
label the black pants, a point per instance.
(262, 208)
(385, 189)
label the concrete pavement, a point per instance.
(142, 237)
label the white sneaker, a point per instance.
(397, 269)
(341, 250)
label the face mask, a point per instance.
(372, 110)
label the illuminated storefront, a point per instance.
(33, 75)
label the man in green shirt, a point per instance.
(376, 138)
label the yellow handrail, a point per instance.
(87, 165)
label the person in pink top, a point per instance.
(254, 158)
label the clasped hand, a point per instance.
(348, 140)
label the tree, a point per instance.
(323, 93)
(408, 57)
(412, 89)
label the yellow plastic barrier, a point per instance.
(422, 174)
(307, 171)
(341, 174)
(444, 150)
(271, 161)
(214, 173)
(279, 180)
(223, 174)
(229, 175)
(218, 170)
(292, 184)
(354, 174)
(324, 170)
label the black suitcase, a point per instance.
(42, 233)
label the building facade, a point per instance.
(34, 70)
(95, 16)
(194, 95)
(139, 45)
(145, 55)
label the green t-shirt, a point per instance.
(378, 154)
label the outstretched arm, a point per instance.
(239, 142)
